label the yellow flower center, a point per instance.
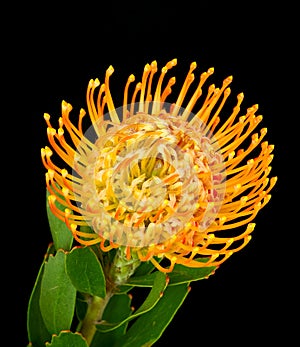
(150, 177)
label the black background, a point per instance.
(51, 53)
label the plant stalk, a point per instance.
(93, 315)
(118, 273)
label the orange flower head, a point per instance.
(164, 179)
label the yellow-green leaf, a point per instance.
(67, 339)
(61, 235)
(149, 327)
(58, 295)
(156, 292)
(36, 329)
(85, 271)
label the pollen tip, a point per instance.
(82, 112)
(268, 170)
(228, 79)
(271, 147)
(274, 179)
(263, 131)
(51, 131)
(242, 119)
(110, 70)
(65, 106)
(222, 219)
(46, 116)
(271, 157)
(251, 226)
(237, 186)
(51, 198)
(96, 82)
(244, 199)
(73, 226)
(154, 66)
(231, 155)
(65, 191)
(48, 151)
(131, 78)
(227, 91)
(193, 65)
(51, 173)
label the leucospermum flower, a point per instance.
(178, 180)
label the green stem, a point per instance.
(119, 271)
(93, 315)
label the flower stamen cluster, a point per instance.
(163, 179)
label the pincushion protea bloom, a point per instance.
(164, 180)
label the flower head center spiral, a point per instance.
(147, 179)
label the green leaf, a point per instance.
(61, 235)
(141, 281)
(184, 274)
(180, 274)
(149, 327)
(144, 268)
(159, 285)
(58, 295)
(85, 271)
(67, 339)
(118, 309)
(36, 329)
